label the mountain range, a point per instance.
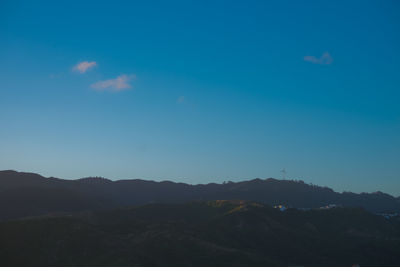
(29, 194)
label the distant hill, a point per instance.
(214, 233)
(29, 194)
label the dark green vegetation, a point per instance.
(91, 222)
(215, 233)
(29, 194)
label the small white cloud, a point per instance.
(84, 66)
(180, 99)
(120, 83)
(325, 59)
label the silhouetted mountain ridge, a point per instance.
(28, 194)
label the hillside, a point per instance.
(216, 233)
(28, 194)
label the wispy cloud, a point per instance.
(180, 99)
(118, 84)
(325, 59)
(54, 76)
(84, 66)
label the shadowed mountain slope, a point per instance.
(215, 233)
(28, 194)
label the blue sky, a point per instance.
(203, 91)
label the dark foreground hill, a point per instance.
(29, 194)
(216, 233)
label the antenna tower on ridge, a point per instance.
(283, 171)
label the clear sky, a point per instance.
(202, 91)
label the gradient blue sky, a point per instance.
(213, 90)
